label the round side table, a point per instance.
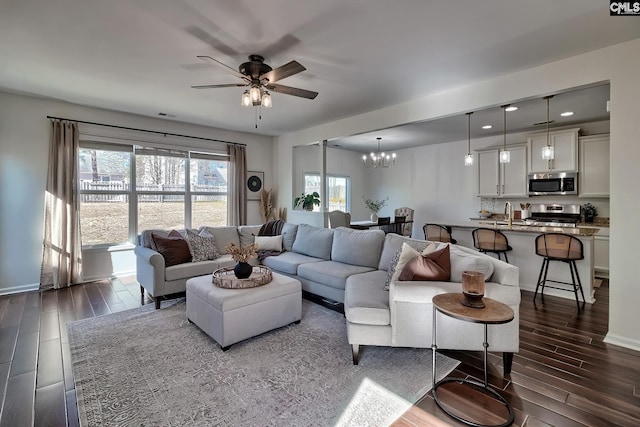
(493, 313)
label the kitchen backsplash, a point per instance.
(497, 205)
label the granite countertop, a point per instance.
(518, 226)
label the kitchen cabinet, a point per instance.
(594, 166)
(565, 147)
(497, 179)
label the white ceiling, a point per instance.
(139, 56)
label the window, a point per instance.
(127, 189)
(337, 191)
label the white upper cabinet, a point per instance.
(594, 166)
(565, 147)
(497, 179)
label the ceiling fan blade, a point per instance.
(229, 69)
(288, 90)
(293, 67)
(217, 86)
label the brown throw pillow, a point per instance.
(173, 248)
(435, 266)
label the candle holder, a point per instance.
(473, 289)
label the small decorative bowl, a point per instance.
(484, 214)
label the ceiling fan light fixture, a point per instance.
(246, 99)
(255, 94)
(266, 100)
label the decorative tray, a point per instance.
(226, 278)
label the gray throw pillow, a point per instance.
(202, 246)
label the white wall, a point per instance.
(24, 150)
(619, 65)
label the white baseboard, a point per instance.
(21, 288)
(622, 341)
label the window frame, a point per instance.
(325, 202)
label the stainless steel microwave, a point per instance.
(553, 183)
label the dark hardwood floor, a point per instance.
(564, 375)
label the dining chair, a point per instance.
(408, 216)
(384, 223)
(339, 219)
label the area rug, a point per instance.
(147, 367)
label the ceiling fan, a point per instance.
(261, 78)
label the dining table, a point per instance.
(391, 227)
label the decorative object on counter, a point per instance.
(379, 159)
(226, 277)
(505, 156)
(484, 214)
(473, 289)
(241, 255)
(547, 150)
(468, 159)
(374, 206)
(307, 201)
(525, 213)
(589, 212)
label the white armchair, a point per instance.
(408, 214)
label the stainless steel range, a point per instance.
(553, 215)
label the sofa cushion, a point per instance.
(173, 248)
(434, 266)
(269, 243)
(289, 232)
(330, 273)
(365, 300)
(313, 241)
(224, 236)
(393, 242)
(357, 247)
(403, 255)
(288, 262)
(247, 233)
(193, 269)
(463, 261)
(202, 248)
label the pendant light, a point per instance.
(505, 156)
(468, 159)
(547, 150)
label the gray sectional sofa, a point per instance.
(351, 267)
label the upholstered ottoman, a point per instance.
(232, 315)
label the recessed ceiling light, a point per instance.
(511, 108)
(487, 127)
(567, 114)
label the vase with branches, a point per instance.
(374, 206)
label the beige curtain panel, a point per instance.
(237, 185)
(62, 246)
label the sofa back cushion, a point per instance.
(313, 241)
(247, 234)
(463, 261)
(392, 244)
(289, 232)
(224, 236)
(357, 247)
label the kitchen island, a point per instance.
(522, 240)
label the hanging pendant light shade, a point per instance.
(505, 156)
(468, 159)
(547, 150)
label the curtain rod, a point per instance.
(145, 130)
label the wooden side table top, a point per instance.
(494, 311)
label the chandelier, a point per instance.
(379, 159)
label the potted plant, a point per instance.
(307, 201)
(374, 206)
(589, 212)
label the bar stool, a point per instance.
(489, 240)
(564, 248)
(438, 233)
